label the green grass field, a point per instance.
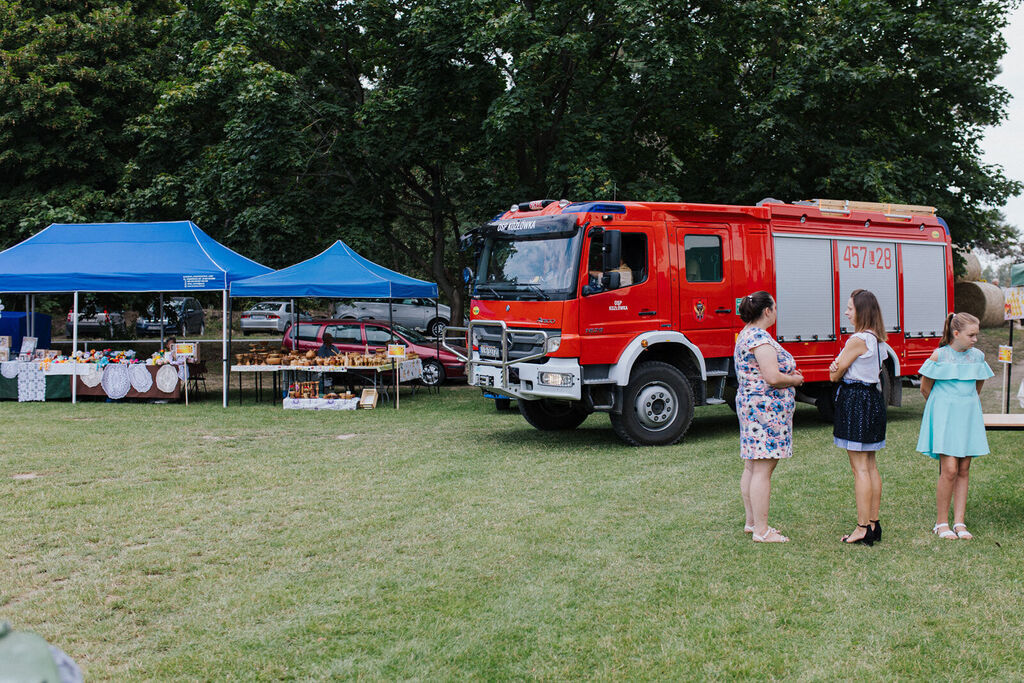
(449, 541)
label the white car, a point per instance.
(269, 316)
(419, 314)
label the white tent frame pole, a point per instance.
(74, 350)
(224, 349)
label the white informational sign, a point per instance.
(187, 350)
(1005, 354)
(1013, 307)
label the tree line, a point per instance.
(279, 126)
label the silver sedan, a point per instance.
(269, 316)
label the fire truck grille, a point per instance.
(522, 343)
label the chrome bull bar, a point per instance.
(504, 363)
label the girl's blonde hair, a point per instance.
(869, 313)
(957, 322)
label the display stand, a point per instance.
(1013, 301)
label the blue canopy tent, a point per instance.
(335, 273)
(124, 257)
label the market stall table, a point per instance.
(151, 382)
(375, 375)
(54, 382)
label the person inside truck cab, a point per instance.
(595, 270)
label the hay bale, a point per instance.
(972, 267)
(980, 299)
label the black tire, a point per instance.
(657, 406)
(826, 403)
(437, 327)
(433, 373)
(549, 415)
(202, 328)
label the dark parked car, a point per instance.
(374, 335)
(96, 320)
(182, 315)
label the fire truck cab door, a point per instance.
(609, 320)
(707, 302)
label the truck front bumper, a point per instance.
(558, 378)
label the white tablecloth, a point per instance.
(321, 403)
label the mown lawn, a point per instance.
(449, 541)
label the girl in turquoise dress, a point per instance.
(953, 429)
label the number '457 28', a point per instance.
(867, 257)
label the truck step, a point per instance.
(717, 373)
(715, 401)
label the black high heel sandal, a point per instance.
(867, 539)
(878, 530)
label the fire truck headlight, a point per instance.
(555, 379)
(552, 344)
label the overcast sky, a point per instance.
(1005, 145)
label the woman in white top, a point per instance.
(860, 410)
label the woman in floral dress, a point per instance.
(765, 402)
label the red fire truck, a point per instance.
(629, 308)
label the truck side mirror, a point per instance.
(611, 280)
(612, 249)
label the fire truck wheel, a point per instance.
(550, 415)
(657, 406)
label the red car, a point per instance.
(374, 335)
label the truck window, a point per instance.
(633, 268)
(703, 258)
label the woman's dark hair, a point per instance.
(753, 305)
(957, 322)
(868, 312)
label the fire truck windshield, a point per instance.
(519, 269)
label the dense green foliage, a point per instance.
(73, 75)
(281, 125)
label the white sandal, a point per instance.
(947, 534)
(963, 533)
(747, 529)
(767, 534)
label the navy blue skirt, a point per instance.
(859, 417)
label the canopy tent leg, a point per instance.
(224, 349)
(74, 349)
(391, 326)
(163, 342)
(229, 338)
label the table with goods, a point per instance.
(99, 373)
(291, 367)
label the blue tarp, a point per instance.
(336, 273)
(15, 325)
(122, 257)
